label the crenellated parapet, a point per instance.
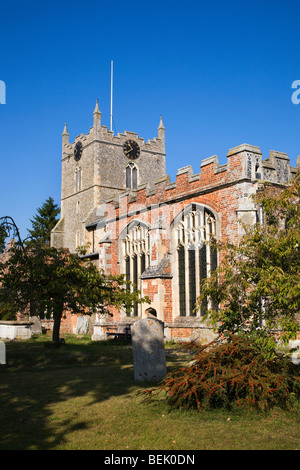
(244, 164)
(101, 134)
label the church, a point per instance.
(118, 202)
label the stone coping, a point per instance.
(15, 322)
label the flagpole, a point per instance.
(111, 96)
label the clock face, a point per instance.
(78, 151)
(131, 149)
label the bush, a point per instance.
(229, 374)
(7, 312)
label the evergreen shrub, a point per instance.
(230, 374)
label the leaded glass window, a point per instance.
(192, 280)
(181, 280)
(135, 251)
(195, 259)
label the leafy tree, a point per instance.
(44, 221)
(46, 279)
(7, 312)
(257, 284)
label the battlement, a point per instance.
(100, 133)
(244, 163)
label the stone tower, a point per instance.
(98, 167)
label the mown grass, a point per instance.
(82, 396)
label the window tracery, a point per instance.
(194, 259)
(131, 176)
(136, 256)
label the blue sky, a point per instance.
(220, 73)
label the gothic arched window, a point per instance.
(131, 176)
(193, 258)
(135, 253)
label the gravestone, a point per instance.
(149, 358)
(2, 353)
(295, 355)
(36, 327)
(82, 326)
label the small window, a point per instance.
(131, 176)
(134, 177)
(257, 172)
(128, 177)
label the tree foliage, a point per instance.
(257, 283)
(44, 221)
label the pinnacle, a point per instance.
(97, 110)
(65, 132)
(161, 125)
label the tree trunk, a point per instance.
(56, 327)
(58, 308)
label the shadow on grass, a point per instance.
(38, 377)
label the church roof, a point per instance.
(93, 219)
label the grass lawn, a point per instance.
(82, 396)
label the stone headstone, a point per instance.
(36, 327)
(295, 355)
(2, 353)
(148, 348)
(82, 326)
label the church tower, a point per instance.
(98, 167)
